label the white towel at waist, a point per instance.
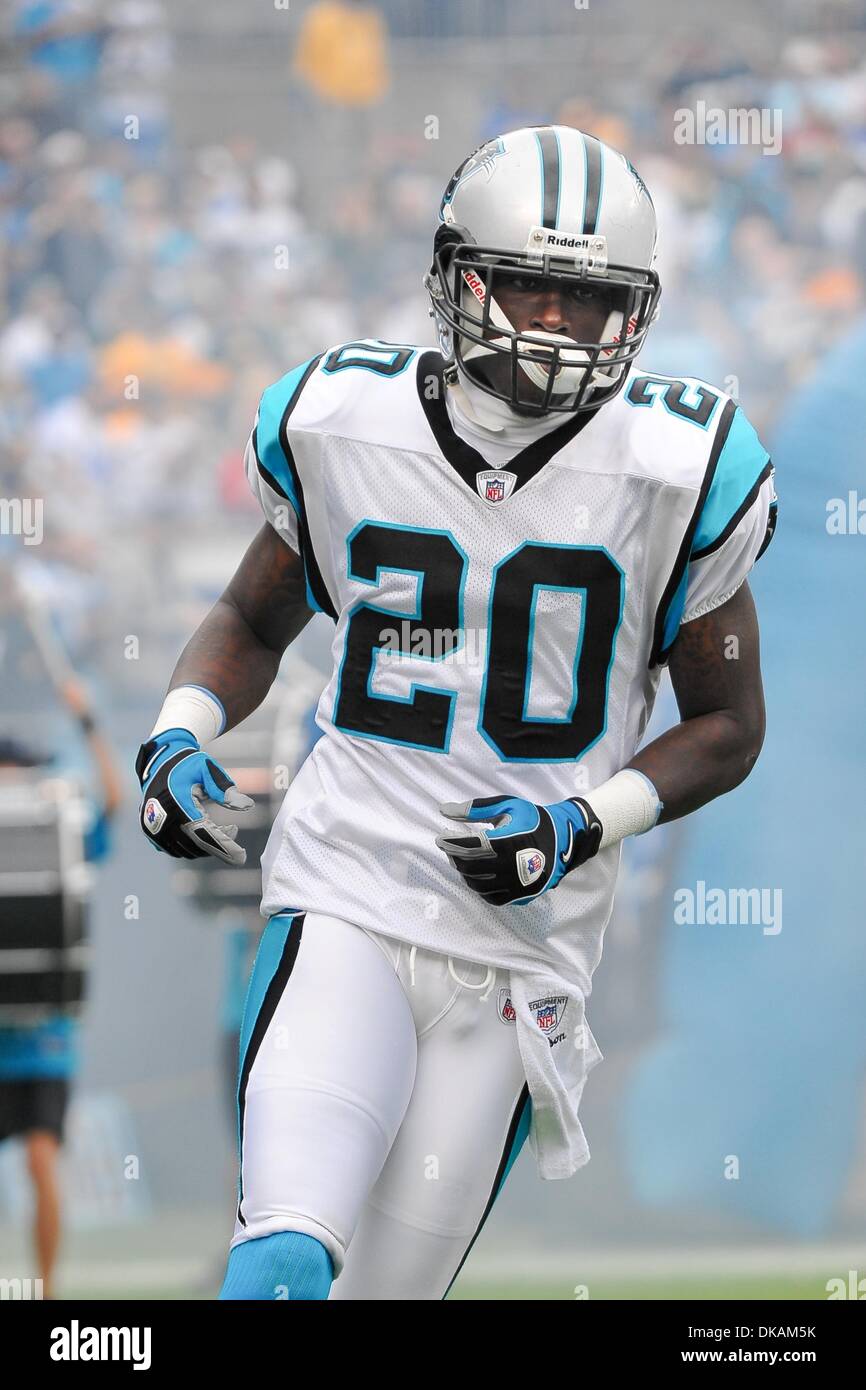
(558, 1053)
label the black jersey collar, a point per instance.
(463, 458)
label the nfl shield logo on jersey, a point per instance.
(494, 485)
(549, 1012)
(495, 489)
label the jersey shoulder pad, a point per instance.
(685, 408)
(327, 393)
(738, 465)
(668, 425)
(696, 436)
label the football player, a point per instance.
(513, 534)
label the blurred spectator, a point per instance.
(151, 288)
(341, 52)
(64, 37)
(342, 60)
(62, 41)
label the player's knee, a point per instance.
(286, 1265)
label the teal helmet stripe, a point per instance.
(594, 173)
(551, 179)
(558, 177)
(601, 149)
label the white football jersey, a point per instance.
(499, 630)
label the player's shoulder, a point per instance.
(685, 409)
(689, 431)
(349, 389)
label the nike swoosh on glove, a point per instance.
(178, 780)
(529, 851)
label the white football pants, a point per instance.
(381, 1101)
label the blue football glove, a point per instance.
(177, 780)
(528, 852)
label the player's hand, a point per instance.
(178, 781)
(528, 851)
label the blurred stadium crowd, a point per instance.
(153, 282)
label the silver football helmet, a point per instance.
(544, 202)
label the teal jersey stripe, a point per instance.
(741, 463)
(269, 447)
(675, 610)
(272, 457)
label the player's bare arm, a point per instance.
(236, 651)
(224, 673)
(716, 675)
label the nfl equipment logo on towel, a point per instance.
(549, 1012)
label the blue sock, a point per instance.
(287, 1265)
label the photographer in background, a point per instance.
(39, 1062)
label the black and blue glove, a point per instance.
(177, 781)
(529, 851)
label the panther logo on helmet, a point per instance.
(483, 160)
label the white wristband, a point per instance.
(194, 708)
(627, 804)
